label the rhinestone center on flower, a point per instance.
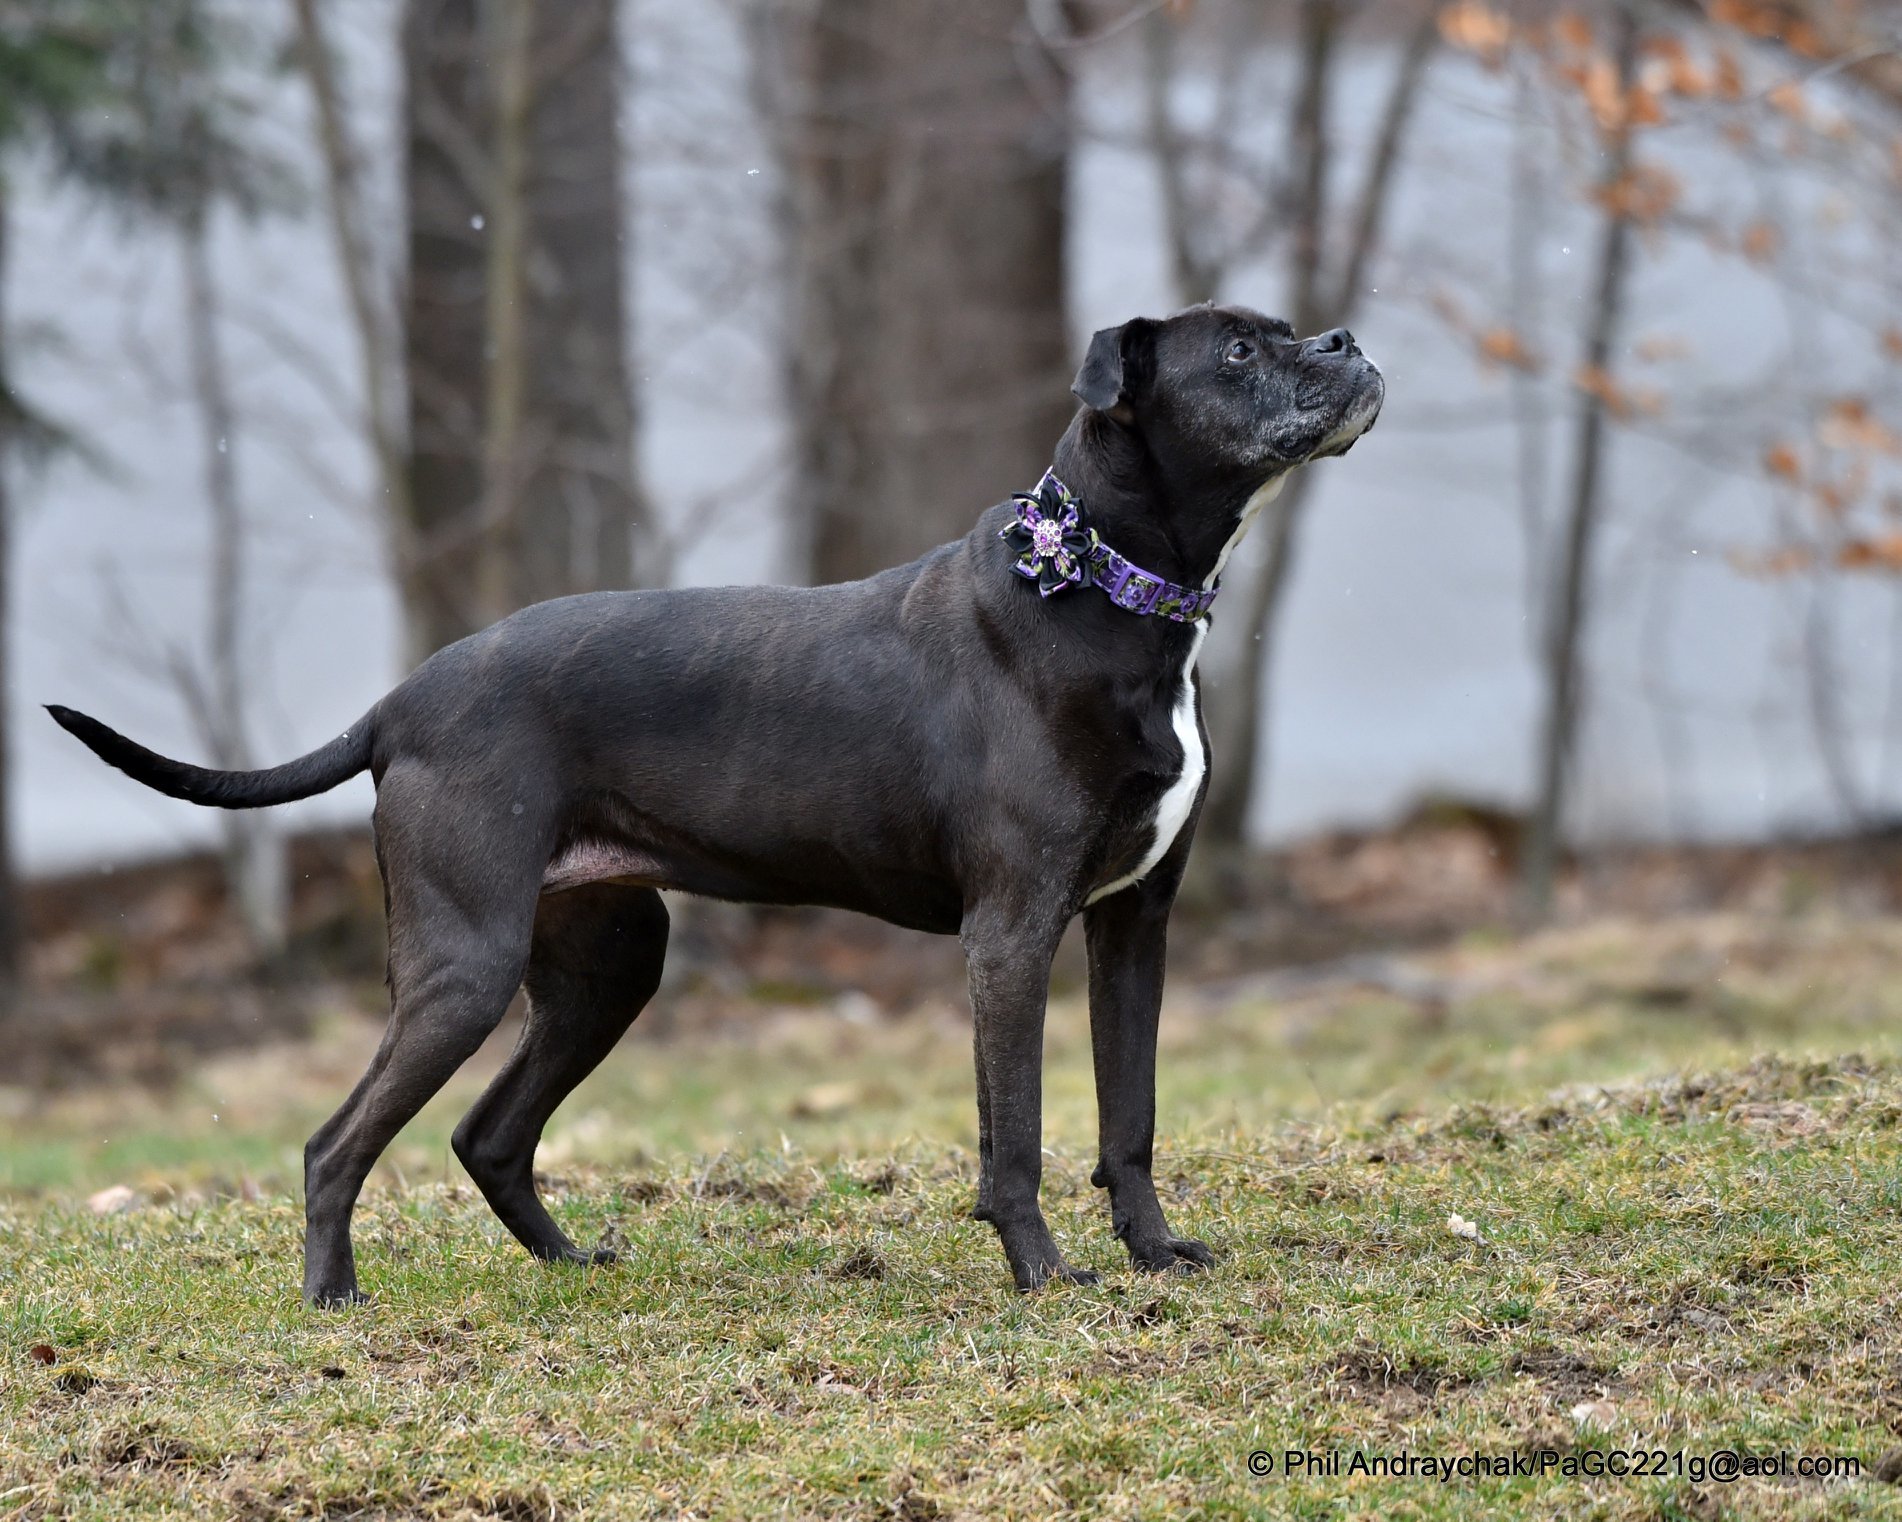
(1046, 537)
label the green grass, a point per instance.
(806, 1322)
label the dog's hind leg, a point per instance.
(595, 962)
(461, 908)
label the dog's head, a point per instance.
(1227, 391)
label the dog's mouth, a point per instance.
(1363, 407)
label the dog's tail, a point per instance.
(317, 772)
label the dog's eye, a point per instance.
(1240, 352)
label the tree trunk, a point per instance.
(522, 481)
(1526, 300)
(506, 441)
(930, 366)
(581, 504)
(1566, 626)
(255, 863)
(10, 927)
(445, 171)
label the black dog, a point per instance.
(985, 742)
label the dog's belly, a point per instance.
(915, 900)
(581, 862)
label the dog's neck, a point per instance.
(1180, 529)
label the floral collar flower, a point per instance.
(1052, 546)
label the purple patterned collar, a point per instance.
(1056, 550)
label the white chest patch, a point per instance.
(1172, 810)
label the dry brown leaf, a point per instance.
(1646, 194)
(1750, 16)
(1834, 497)
(1670, 67)
(1502, 346)
(1803, 39)
(1477, 29)
(1780, 562)
(1602, 94)
(1783, 460)
(1883, 553)
(1849, 424)
(1662, 347)
(1760, 242)
(1788, 98)
(1574, 30)
(1621, 401)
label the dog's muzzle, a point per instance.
(1370, 391)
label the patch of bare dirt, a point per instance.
(1368, 1374)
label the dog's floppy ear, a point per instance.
(1116, 368)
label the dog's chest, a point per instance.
(1177, 801)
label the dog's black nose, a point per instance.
(1333, 341)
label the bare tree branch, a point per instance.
(1377, 183)
(1564, 660)
(370, 306)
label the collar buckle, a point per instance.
(1135, 591)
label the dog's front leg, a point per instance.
(1009, 956)
(1127, 934)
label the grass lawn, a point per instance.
(806, 1322)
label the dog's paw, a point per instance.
(1035, 1276)
(1173, 1255)
(581, 1257)
(341, 1299)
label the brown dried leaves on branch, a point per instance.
(1849, 424)
(1502, 346)
(1834, 472)
(1477, 29)
(1622, 401)
(1645, 196)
